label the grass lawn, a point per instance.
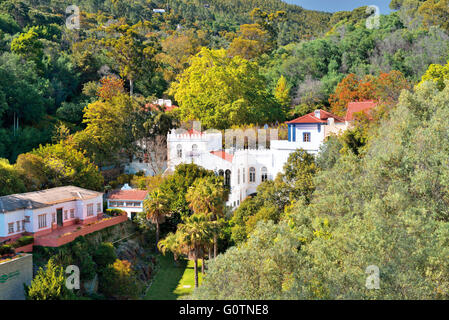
(187, 283)
(169, 281)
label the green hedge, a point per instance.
(115, 212)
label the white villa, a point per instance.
(42, 212)
(128, 200)
(245, 168)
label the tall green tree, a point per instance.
(221, 91)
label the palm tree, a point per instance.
(195, 234)
(156, 209)
(171, 243)
(207, 197)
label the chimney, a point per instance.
(330, 121)
(318, 114)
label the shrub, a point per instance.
(115, 212)
(6, 249)
(23, 241)
(104, 255)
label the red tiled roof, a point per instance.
(310, 118)
(222, 154)
(155, 107)
(139, 195)
(360, 106)
(193, 131)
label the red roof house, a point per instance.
(318, 116)
(136, 195)
(360, 106)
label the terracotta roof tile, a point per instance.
(139, 195)
(311, 118)
(222, 154)
(354, 107)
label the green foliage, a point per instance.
(10, 179)
(104, 255)
(57, 165)
(243, 100)
(386, 207)
(118, 280)
(6, 249)
(49, 284)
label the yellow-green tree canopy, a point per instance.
(438, 74)
(221, 91)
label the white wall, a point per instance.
(11, 217)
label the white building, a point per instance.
(245, 168)
(128, 200)
(42, 212)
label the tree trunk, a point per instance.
(157, 235)
(210, 253)
(131, 87)
(215, 245)
(202, 265)
(196, 272)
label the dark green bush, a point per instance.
(104, 255)
(115, 212)
(6, 249)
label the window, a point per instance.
(90, 210)
(238, 176)
(53, 218)
(264, 174)
(179, 151)
(23, 225)
(72, 213)
(42, 221)
(120, 204)
(66, 215)
(244, 175)
(98, 207)
(11, 227)
(194, 148)
(18, 225)
(227, 178)
(27, 218)
(306, 136)
(252, 174)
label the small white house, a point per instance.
(41, 212)
(128, 200)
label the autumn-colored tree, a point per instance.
(384, 88)
(348, 90)
(110, 87)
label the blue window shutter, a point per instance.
(290, 132)
(319, 127)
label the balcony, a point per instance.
(64, 235)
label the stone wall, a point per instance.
(13, 274)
